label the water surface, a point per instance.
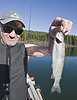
(40, 69)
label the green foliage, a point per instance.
(71, 40)
(35, 36)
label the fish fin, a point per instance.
(52, 76)
(58, 89)
(54, 88)
(65, 59)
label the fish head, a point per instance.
(59, 37)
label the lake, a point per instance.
(40, 69)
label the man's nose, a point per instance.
(12, 34)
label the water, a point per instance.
(40, 69)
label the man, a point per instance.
(13, 56)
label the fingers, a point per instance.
(55, 29)
(57, 21)
(66, 33)
(67, 25)
(57, 26)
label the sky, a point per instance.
(43, 12)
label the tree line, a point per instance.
(32, 36)
(35, 36)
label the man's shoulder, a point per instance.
(22, 46)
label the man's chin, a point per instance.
(11, 44)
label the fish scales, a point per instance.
(58, 56)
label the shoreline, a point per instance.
(69, 45)
(44, 43)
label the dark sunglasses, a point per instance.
(8, 29)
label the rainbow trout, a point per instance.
(58, 56)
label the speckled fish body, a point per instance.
(58, 56)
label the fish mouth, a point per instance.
(58, 41)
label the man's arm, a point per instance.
(56, 26)
(37, 51)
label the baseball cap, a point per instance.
(8, 16)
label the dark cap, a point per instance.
(8, 16)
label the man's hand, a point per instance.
(57, 26)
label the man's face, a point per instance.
(11, 38)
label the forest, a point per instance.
(35, 36)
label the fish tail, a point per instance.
(55, 88)
(52, 76)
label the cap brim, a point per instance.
(4, 21)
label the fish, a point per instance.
(58, 56)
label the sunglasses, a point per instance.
(8, 29)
